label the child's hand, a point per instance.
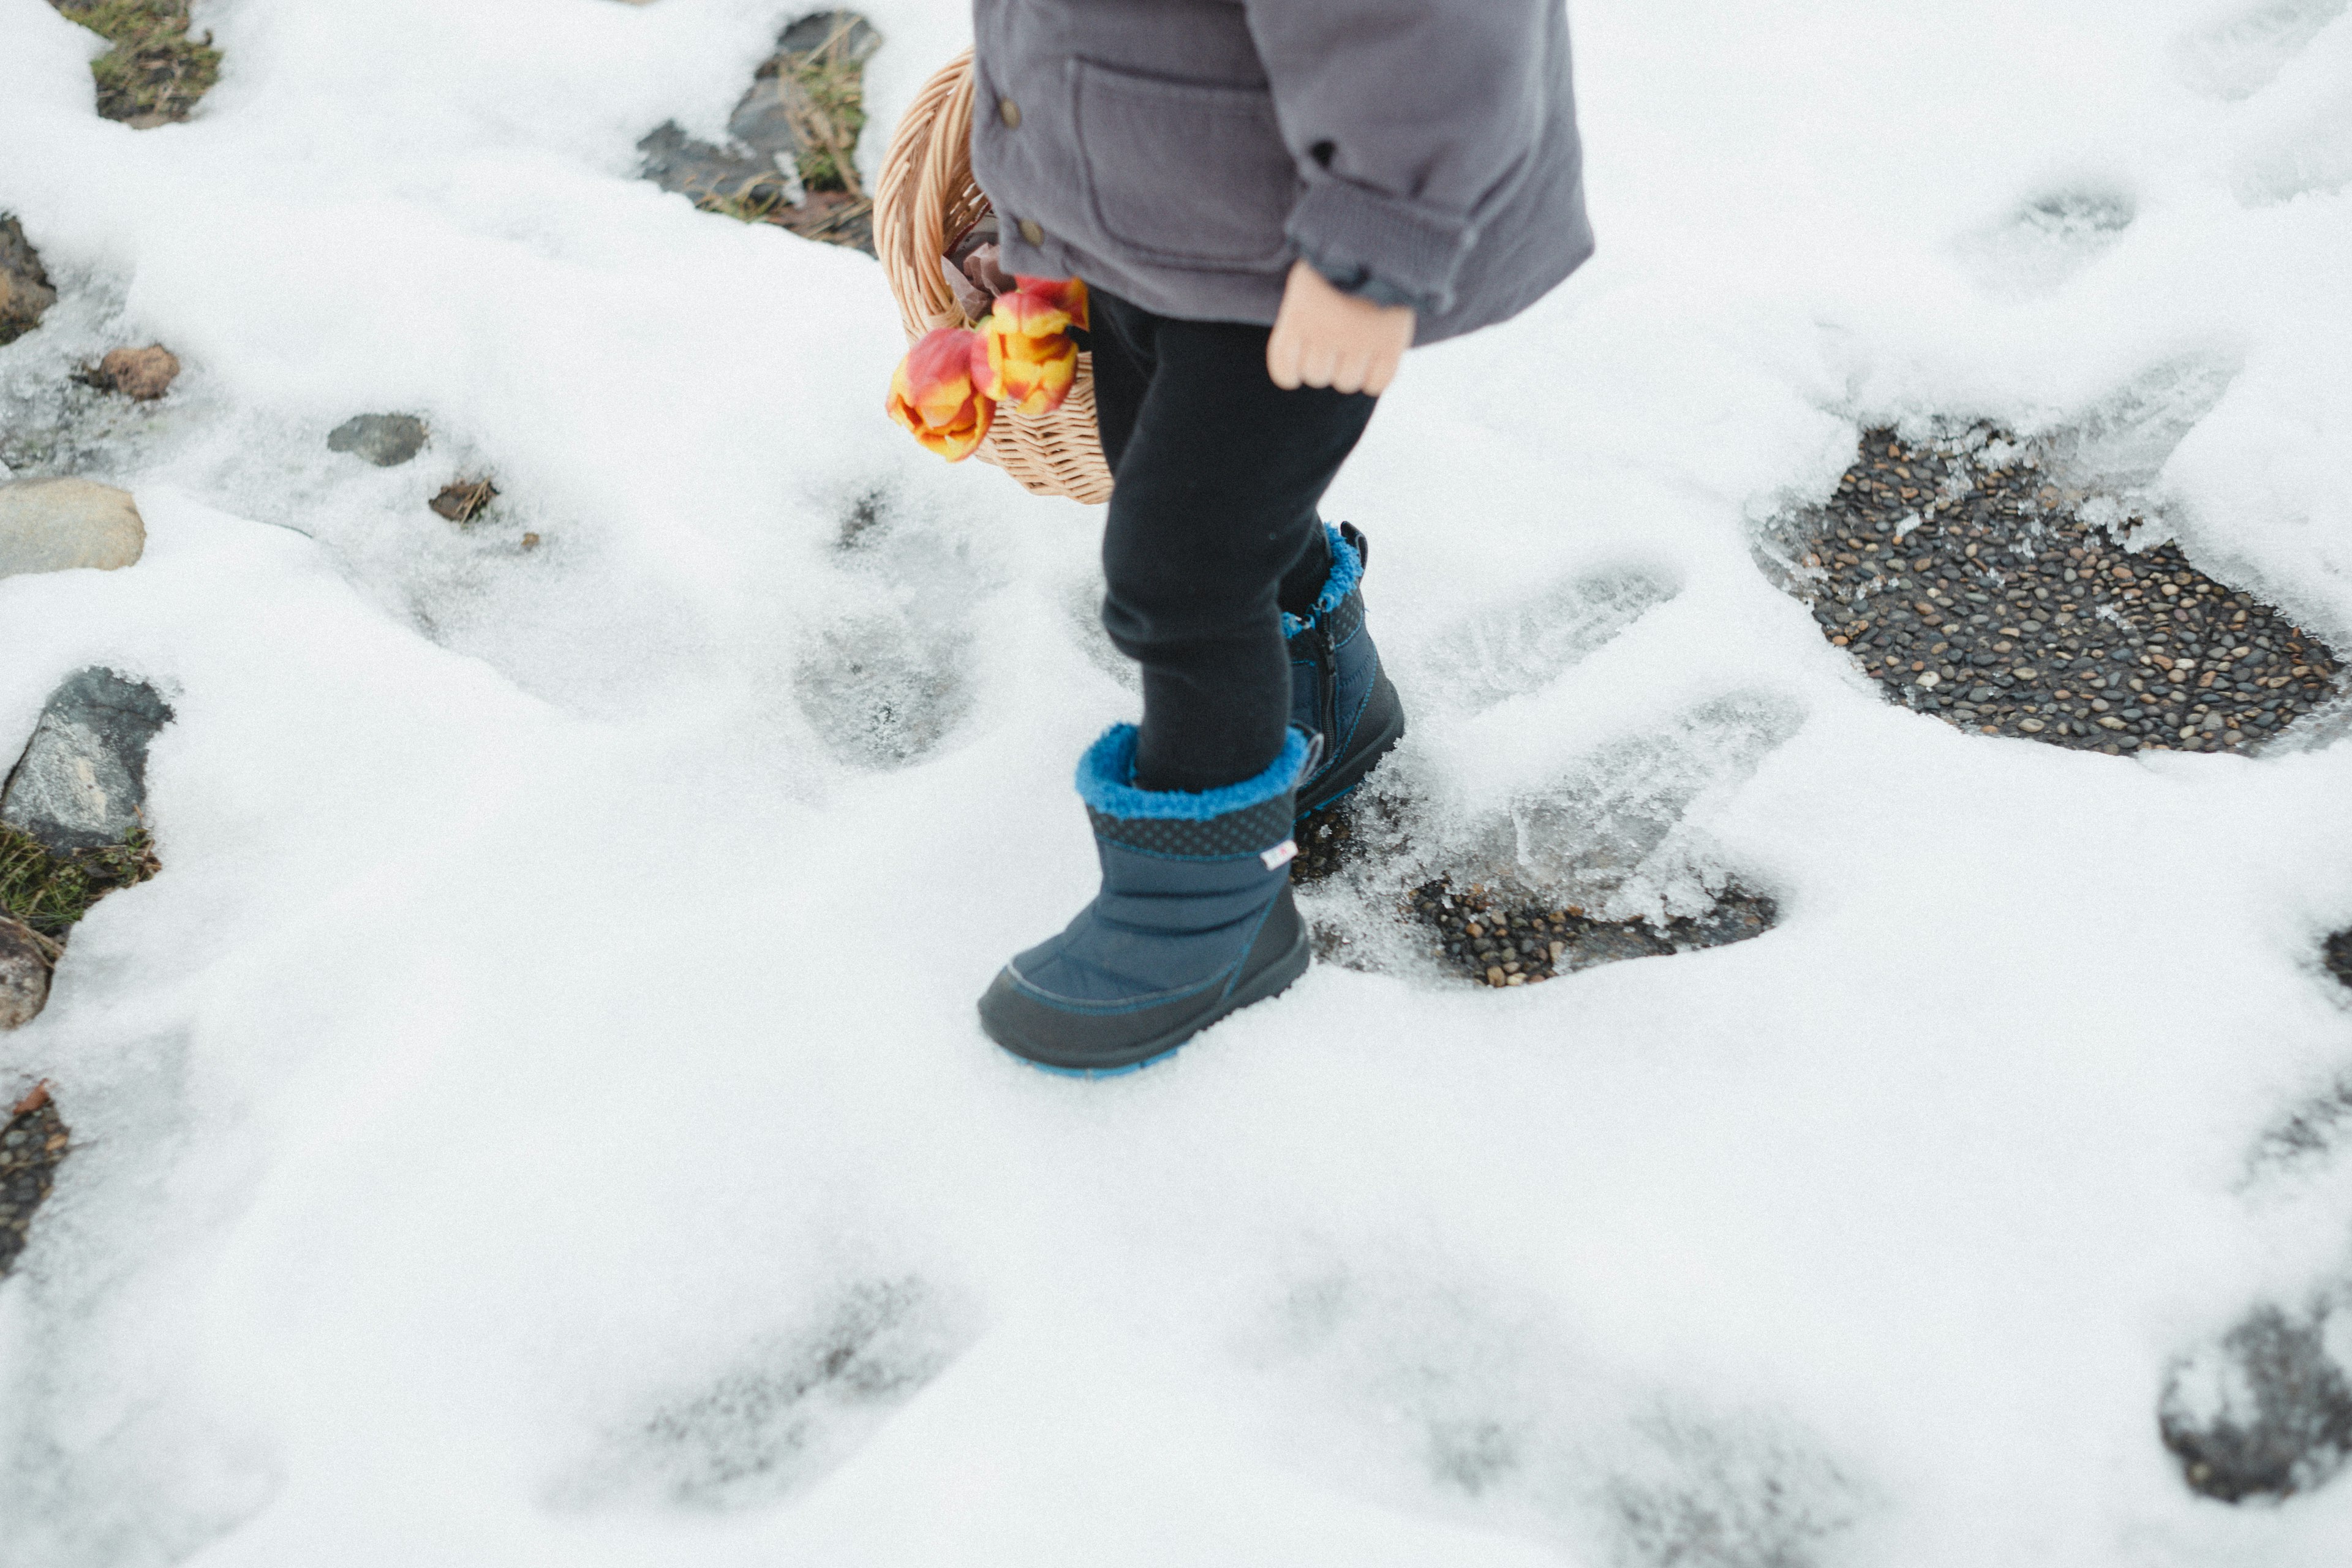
(1324, 336)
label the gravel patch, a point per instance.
(1500, 937)
(1974, 586)
(32, 1145)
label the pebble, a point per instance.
(2060, 632)
(57, 525)
(32, 1144)
(24, 974)
(141, 375)
(387, 440)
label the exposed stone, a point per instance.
(55, 525)
(141, 375)
(24, 974)
(790, 139)
(2264, 1413)
(82, 781)
(25, 291)
(387, 440)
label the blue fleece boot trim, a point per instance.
(1107, 775)
(1346, 571)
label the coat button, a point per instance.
(1031, 232)
(1010, 112)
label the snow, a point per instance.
(538, 1114)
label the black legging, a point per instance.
(1212, 533)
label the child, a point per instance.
(1269, 201)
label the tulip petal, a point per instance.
(1067, 295)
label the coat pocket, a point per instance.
(1185, 173)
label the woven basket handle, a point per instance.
(911, 226)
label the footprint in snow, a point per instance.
(2263, 1410)
(1522, 646)
(2045, 240)
(1620, 833)
(889, 679)
(784, 1413)
(2236, 56)
(1479, 1402)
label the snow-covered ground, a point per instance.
(537, 1117)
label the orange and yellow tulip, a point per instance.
(1067, 295)
(936, 393)
(1032, 360)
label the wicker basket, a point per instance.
(924, 201)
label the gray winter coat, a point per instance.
(1182, 152)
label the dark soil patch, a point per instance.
(1969, 586)
(2337, 956)
(802, 114)
(1498, 937)
(32, 1145)
(155, 72)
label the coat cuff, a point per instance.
(1345, 228)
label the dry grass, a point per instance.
(829, 110)
(49, 893)
(462, 500)
(825, 97)
(155, 72)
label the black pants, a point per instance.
(1214, 532)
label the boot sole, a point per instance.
(1342, 780)
(1271, 980)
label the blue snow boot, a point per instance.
(1337, 689)
(1194, 919)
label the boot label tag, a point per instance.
(1281, 855)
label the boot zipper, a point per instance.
(1326, 690)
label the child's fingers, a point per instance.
(1383, 371)
(1282, 358)
(1317, 364)
(1350, 373)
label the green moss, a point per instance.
(155, 71)
(51, 892)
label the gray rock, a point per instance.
(387, 440)
(2264, 1413)
(766, 138)
(24, 976)
(677, 162)
(82, 781)
(384, 440)
(25, 289)
(55, 525)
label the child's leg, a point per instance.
(1213, 532)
